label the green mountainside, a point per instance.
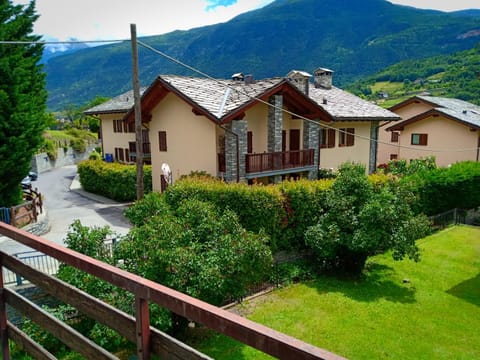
(353, 38)
(456, 75)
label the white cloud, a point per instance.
(111, 19)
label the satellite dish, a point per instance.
(167, 173)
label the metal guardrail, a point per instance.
(34, 259)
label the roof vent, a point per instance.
(464, 111)
(238, 77)
(324, 101)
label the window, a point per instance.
(419, 139)
(394, 137)
(119, 154)
(327, 138)
(117, 126)
(162, 140)
(346, 137)
(249, 142)
(393, 157)
(129, 127)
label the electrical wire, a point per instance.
(193, 69)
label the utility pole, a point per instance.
(138, 113)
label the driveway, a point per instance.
(65, 201)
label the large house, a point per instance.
(243, 129)
(448, 129)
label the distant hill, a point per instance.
(353, 38)
(456, 75)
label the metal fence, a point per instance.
(35, 259)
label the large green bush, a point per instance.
(304, 203)
(362, 220)
(196, 248)
(113, 180)
(443, 189)
(258, 207)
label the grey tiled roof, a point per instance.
(342, 105)
(118, 104)
(219, 97)
(462, 110)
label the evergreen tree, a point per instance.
(22, 97)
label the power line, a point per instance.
(191, 68)
(367, 138)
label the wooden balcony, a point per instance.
(276, 161)
(137, 329)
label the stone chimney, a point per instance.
(238, 77)
(323, 78)
(300, 79)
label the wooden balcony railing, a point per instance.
(136, 328)
(279, 160)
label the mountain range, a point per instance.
(354, 38)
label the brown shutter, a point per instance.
(350, 136)
(249, 142)
(394, 136)
(423, 139)
(162, 140)
(331, 138)
(294, 139)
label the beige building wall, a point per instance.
(191, 140)
(385, 147)
(110, 139)
(332, 158)
(257, 119)
(413, 109)
(448, 140)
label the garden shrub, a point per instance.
(197, 249)
(113, 180)
(304, 203)
(361, 221)
(258, 207)
(444, 189)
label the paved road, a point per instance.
(64, 205)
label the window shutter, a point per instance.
(394, 137)
(350, 136)
(331, 138)
(162, 140)
(249, 142)
(423, 139)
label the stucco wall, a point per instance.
(191, 140)
(359, 153)
(448, 140)
(110, 139)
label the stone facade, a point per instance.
(235, 150)
(275, 125)
(311, 138)
(372, 165)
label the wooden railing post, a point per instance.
(3, 320)
(142, 316)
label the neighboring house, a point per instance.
(244, 129)
(448, 129)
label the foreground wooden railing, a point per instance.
(136, 329)
(256, 163)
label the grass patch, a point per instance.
(397, 310)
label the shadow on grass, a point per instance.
(374, 284)
(468, 290)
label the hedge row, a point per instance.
(113, 180)
(443, 189)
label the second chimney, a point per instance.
(323, 78)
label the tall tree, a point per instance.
(22, 97)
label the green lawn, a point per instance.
(434, 315)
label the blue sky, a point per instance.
(111, 19)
